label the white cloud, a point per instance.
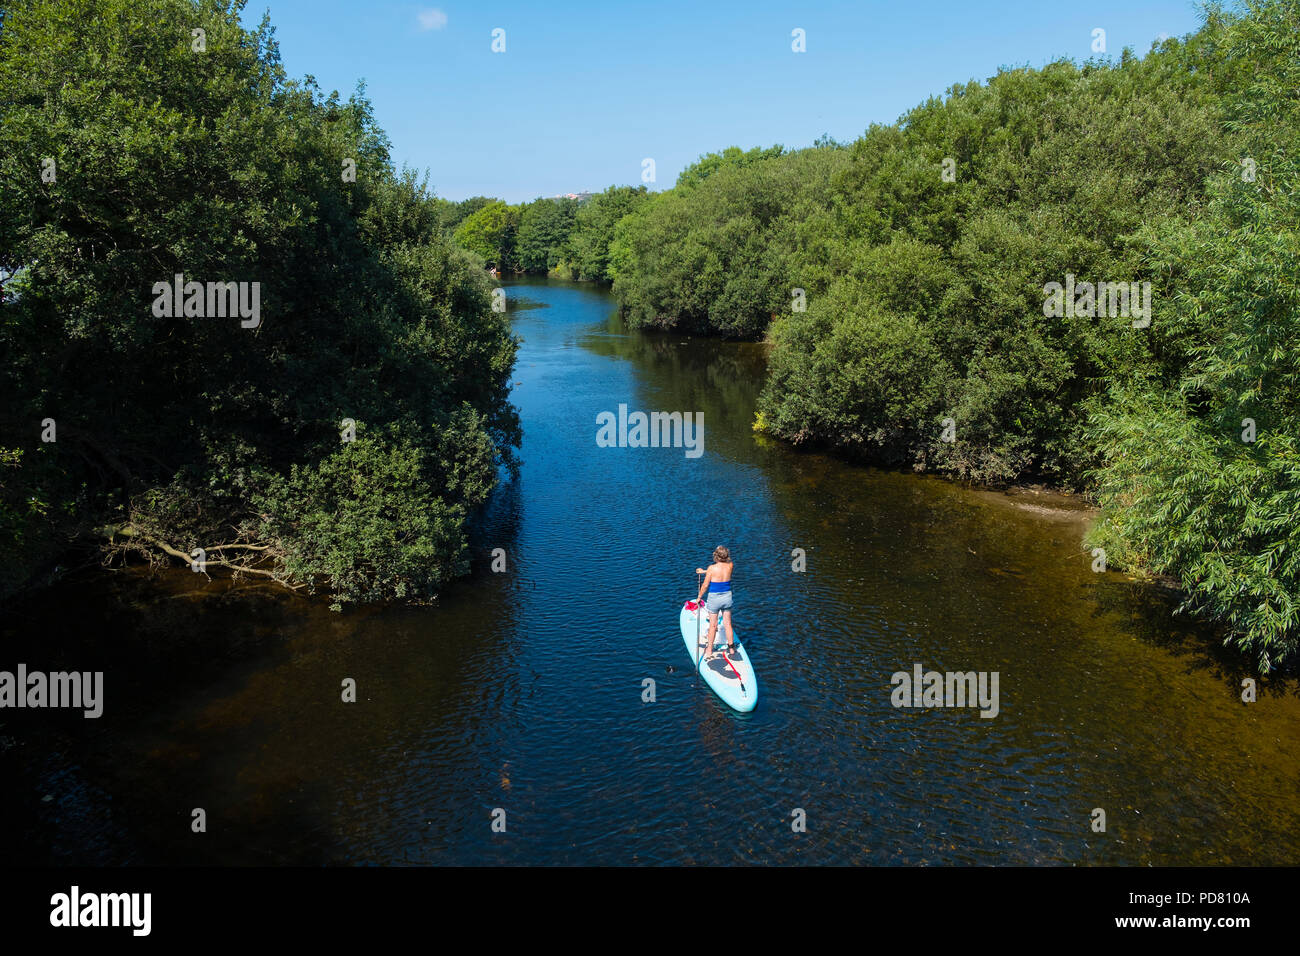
(432, 19)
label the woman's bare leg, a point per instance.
(731, 638)
(713, 629)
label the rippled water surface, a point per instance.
(523, 690)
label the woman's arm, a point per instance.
(704, 583)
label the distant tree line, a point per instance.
(563, 237)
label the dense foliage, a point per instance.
(544, 227)
(561, 236)
(195, 431)
(716, 253)
(876, 268)
(1201, 475)
(491, 233)
(589, 250)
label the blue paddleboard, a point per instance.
(731, 675)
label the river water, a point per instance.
(521, 695)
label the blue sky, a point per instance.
(585, 91)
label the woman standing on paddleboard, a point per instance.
(717, 581)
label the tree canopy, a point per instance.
(338, 442)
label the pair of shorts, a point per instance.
(718, 601)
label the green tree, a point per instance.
(544, 229)
(720, 252)
(490, 233)
(1202, 482)
(732, 156)
(587, 253)
(451, 214)
(176, 432)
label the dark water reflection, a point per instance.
(523, 690)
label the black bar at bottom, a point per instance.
(333, 905)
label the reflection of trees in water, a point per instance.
(722, 379)
(516, 302)
(496, 523)
(827, 491)
(1149, 613)
(902, 534)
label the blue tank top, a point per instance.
(716, 587)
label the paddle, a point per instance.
(699, 613)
